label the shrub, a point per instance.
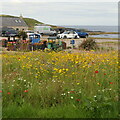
(88, 44)
(22, 34)
(69, 47)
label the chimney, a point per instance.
(21, 16)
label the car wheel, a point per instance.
(75, 37)
(41, 34)
(58, 37)
(86, 36)
(54, 34)
(65, 37)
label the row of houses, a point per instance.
(16, 23)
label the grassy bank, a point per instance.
(98, 33)
(108, 42)
(60, 85)
(105, 38)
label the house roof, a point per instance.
(12, 21)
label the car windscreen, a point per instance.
(11, 31)
(66, 32)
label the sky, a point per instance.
(64, 13)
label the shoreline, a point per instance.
(100, 33)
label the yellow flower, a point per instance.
(66, 69)
(60, 70)
(78, 83)
(76, 62)
(36, 76)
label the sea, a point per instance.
(94, 28)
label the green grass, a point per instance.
(7, 16)
(31, 22)
(63, 111)
(66, 111)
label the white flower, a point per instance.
(53, 80)
(20, 78)
(71, 97)
(103, 90)
(63, 94)
(79, 91)
(13, 80)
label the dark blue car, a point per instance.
(6, 32)
(82, 34)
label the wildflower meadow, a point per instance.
(60, 84)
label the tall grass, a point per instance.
(60, 85)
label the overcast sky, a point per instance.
(65, 13)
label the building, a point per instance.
(16, 23)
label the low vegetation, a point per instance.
(60, 85)
(104, 38)
(88, 44)
(98, 33)
(109, 42)
(7, 16)
(31, 22)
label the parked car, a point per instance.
(82, 34)
(68, 34)
(34, 35)
(29, 32)
(6, 32)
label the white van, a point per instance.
(44, 30)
